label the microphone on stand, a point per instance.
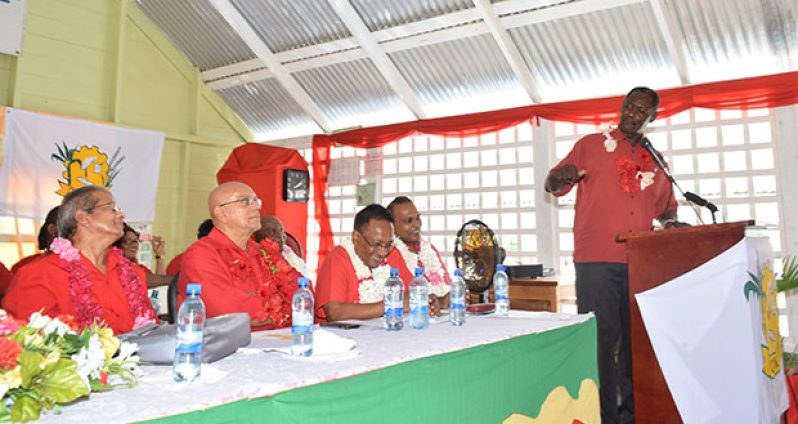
(691, 197)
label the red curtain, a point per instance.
(749, 93)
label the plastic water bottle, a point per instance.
(302, 320)
(457, 295)
(501, 289)
(394, 298)
(419, 301)
(156, 305)
(188, 344)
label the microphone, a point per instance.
(691, 197)
(700, 201)
(646, 144)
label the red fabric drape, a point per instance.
(749, 93)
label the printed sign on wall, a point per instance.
(12, 26)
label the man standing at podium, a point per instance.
(619, 189)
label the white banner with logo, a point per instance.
(715, 331)
(46, 156)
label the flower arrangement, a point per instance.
(47, 361)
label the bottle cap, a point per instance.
(194, 288)
(500, 267)
(419, 272)
(458, 273)
(302, 282)
(394, 272)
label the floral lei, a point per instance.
(275, 286)
(294, 260)
(86, 306)
(634, 176)
(427, 259)
(370, 283)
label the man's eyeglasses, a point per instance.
(377, 245)
(247, 201)
(111, 206)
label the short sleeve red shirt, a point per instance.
(337, 281)
(603, 208)
(43, 284)
(234, 280)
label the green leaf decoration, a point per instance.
(748, 289)
(5, 414)
(97, 387)
(61, 383)
(30, 363)
(72, 344)
(26, 408)
(789, 276)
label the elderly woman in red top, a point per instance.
(83, 275)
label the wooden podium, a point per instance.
(656, 257)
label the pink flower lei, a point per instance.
(88, 310)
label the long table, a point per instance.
(528, 364)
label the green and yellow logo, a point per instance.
(84, 165)
(763, 286)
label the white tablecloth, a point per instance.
(242, 375)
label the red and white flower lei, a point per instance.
(86, 306)
(427, 259)
(370, 283)
(634, 177)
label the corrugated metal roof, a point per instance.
(268, 110)
(596, 54)
(354, 93)
(197, 29)
(462, 75)
(726, 39)
(382, 14)
(572, 49)
(290, 24)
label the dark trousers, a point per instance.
(603, 288)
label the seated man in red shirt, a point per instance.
(411, 251)
(237, 274)
(84, 276)
(352, 276)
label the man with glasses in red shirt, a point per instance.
(231, 267)
(352, 276)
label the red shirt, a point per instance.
(603, 208)
(235, 280)
(174, 265)
(337, 281)
(45, 285)
(26, 260)
(5, 278)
